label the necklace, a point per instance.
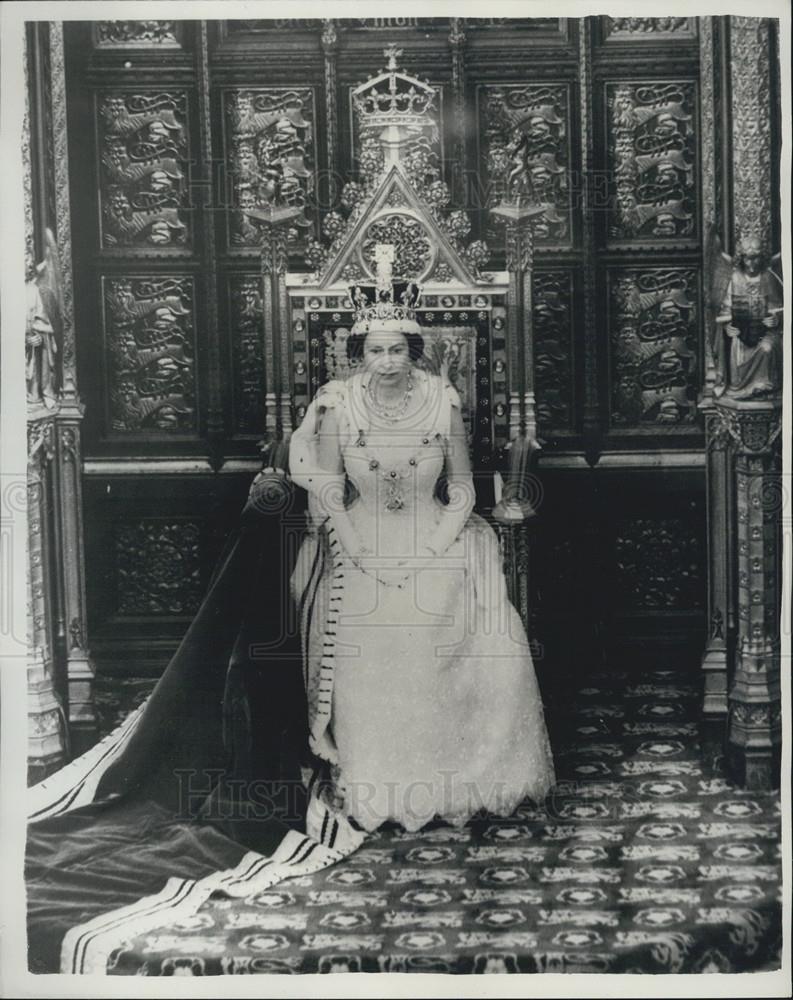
(390, 413)
(395, 478)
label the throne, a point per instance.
(475, 323)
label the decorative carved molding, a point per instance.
(457, 45)
(552, 304)
(654, 341)
(27, 174)
(63, 226)
(751, 125)
(247, 326)
(269, 140)
(214, 412)
(158, 566)
(150, 350)
(144, 151)
(652, 156)
(709, 221)
(651, 28)
(591, 409)
(754, 429)
(526, 148)
(330, 42)
(136, 34)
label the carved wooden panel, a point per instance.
(659, 563)
(158, 566)
(137, 34)
(552, 296)
(143, 148)
(269, 151)
(247, 346)
(652, 157)
(654, 346)
(149, 339)
(525, 130)
(649, 28)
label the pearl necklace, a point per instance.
(391, 413)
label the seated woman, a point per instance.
(421, 689)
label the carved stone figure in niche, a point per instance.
(747, 342)
(43, 328)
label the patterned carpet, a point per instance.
(641, 861)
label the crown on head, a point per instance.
(387, 305)
(393, 98)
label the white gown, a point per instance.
(421, 689)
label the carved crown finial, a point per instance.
(394, 98)
(392, 53)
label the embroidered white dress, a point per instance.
(419, 675)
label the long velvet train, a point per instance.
(204, 776)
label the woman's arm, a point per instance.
(330, 487)
(460, 482)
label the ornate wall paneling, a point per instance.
(654, 327)
(146, 297)
(153, 541)
(654, 561)
(648, 231)
(276, 341)
(271, 157)
(150, 348)
(525, 134)
(555, 352)
(271, 107)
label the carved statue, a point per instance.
(747, 338)
(43, 327)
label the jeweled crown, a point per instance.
(387, 305)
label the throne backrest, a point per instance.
(449, 350)
(464, 338)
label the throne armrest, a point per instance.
(518, 498)
(271, 491)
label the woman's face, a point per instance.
(386, 355)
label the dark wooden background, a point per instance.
(618, 557)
